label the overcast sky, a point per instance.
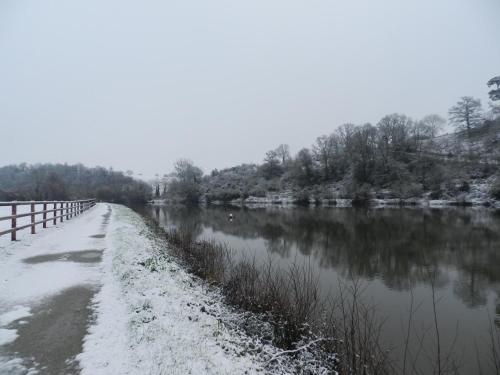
(138, 84)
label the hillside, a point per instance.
(454, 168)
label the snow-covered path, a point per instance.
(46, 287)
(94, 296)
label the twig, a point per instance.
(294, 350)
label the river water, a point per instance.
(393, 252)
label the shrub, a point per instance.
(495, 190)
(464, 187)
(436, 194)
(301, 197)
(361, 195)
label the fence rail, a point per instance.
(60, 210)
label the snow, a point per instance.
(7, 335)
(21, 282)
(150, 315)
(17, 313)
(152, 322)
(24, 286)
(14, 366)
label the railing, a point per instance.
(60, 210)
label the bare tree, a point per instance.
(283, 152)
(393, 133)
(186, 171)
(431, 125)
(324, 151)
(466, 114)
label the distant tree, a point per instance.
(186, 171)
(54, 188)
(494, 96)
(364, 141)
(283, 152)
(105, 194)
(157, 191)
(466, 114)
(303, 168)
(424, 131)
(393, 140)
(430, 125)
(186, 185)
(271, 167)
(324, 150)
(63, 181)
(495, 92)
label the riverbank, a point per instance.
(478, 193)
(155, 318)
(394, 253)
(101, 294)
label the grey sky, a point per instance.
(139, 84)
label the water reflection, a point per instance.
(398, 246)
(458, 250)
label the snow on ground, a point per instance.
(21, 282)
(24, 286)
(18, 312)
(6, 224)
(152, 316)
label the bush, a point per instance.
(361, 195)
(464, 187)
(436, 194)
(495, 190)
(301, 197)
(288, 301)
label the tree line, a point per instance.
(398, 157)
(69, 182)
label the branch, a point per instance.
(294, 350)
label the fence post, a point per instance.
(55, 213)
(67, 211)
(14, 222)
(32, 218)
(45, 215)
(62, 212)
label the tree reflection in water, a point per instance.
(397, 247)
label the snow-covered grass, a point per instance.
(154, 318)
(150, 315)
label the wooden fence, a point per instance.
(60, 210)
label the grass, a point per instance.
(341, 334)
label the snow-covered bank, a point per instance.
(155, 318)
(135, 312)
(479, 194)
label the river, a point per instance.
(394, 252)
